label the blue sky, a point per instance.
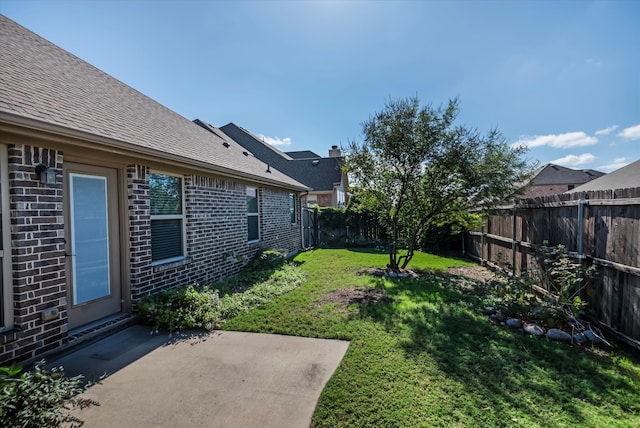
(562, 77)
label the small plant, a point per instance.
(207, 308)
(565, 281)
(40, 398)
(268, 259)
(566, 278)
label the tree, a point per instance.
(415, 168)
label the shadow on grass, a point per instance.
(367, 250)
(502, 372)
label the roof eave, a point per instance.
(26, 126)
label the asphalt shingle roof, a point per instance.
(623, 178)
(320, 174)
(303, 154)
(556, 174)
(50, 86)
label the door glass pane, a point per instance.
(89, 233)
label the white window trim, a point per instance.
(182, 217)
(7, 284)
(256, 214)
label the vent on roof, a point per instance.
(246, 153)
(269, 168)
(226, 144)
(315, 162)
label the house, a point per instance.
(108, 196)
(324, 176)
(555, 179)
(622, 178)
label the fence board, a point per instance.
(611, 233)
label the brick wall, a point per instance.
(216, 231)
(275, 221)
(216, 237)
(325, 200)
(37, 251)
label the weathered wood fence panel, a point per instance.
(601, 228)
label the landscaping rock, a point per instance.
(557, 334)
(534, 329)
(378, 272)
(392, 275)
(514, 323)
(579, 338)
(500, 316)
(490, 310)
(592, 336)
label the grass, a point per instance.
(427, 356)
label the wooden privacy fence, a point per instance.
(600, 228)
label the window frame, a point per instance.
(182, 217)
(293, 208)
(6, 284)
(253, 214)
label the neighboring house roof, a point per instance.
(321, 174)
(556, 174)
(625, 177)
(303, 154)
(46, 88)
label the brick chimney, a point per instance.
(335, 152)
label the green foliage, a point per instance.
(40, 398)
(416, 168)
(424, 354)
(193, 307)
(564, 278)
(267, 259)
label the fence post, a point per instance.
(513, 244)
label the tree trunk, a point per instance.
(393, 250)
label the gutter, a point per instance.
(29, 127)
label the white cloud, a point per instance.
(575, 160)
(631, 133)
(275, 141)
(559, 141)
(616, 164)
(606, 131)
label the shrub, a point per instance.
(268, 259)
(40, 398)
(194, 307)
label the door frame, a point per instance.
(85, 313)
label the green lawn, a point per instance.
(425, 355)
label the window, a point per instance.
(292, 208)
(253, 219)
(6, 293)
(167, 217)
